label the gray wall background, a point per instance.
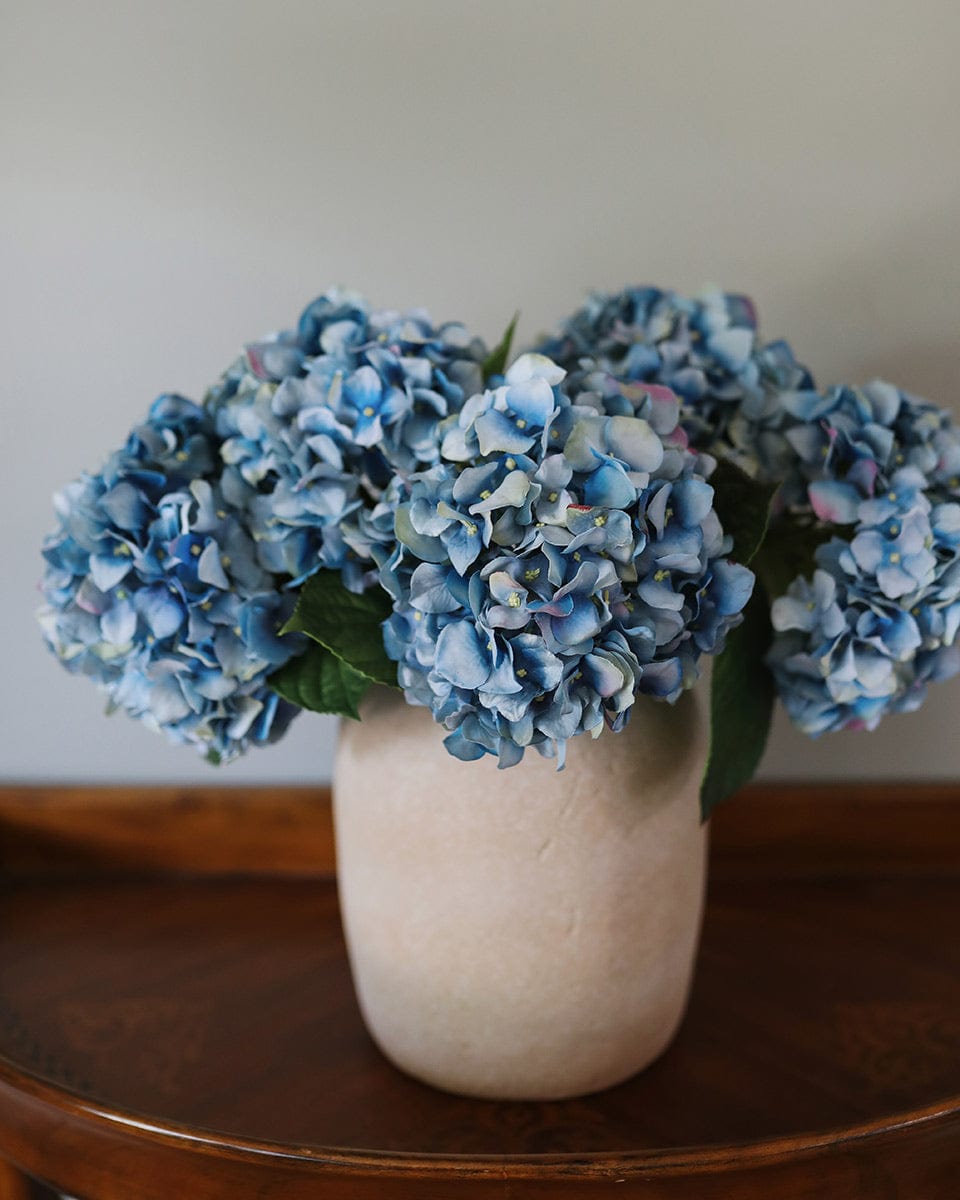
(179, 177)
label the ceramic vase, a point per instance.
(522, 934)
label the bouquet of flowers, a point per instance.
(522, 545)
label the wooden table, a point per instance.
(174, 1026)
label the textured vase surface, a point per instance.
(522, 934)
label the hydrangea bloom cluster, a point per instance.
(316, 422)
(876, 622)
(547, 538)
(154, 589)
(706, 349)
(561, 557)
(879, 620)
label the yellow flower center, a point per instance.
(369, 411)
(514, 600)
(660, 576)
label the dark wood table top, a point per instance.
(198, 1036)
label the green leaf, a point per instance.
(791, 552)
(741, 704)
(496, 361)
(346, 624)
(743, 506)
(320, 681)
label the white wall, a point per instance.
(181, 176)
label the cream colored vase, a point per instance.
(521, 934)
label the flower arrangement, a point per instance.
(523, 546)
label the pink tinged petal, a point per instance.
(834, 502)
(503, 587)
(559, 606)
(89, 598)
(501, 616)
(607, 678)
(863, 474)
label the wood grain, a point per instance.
(792, 829)
(171, 1036)
(13, 1185)
(54, 830)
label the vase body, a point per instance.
(522, 934)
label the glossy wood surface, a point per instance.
(55, 830)
(198, 1036)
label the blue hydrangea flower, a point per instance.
(705, 349)
(316, 423)
(561, 557)
(154, 589)
(879, 620)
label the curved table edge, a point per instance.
(60, 1105)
